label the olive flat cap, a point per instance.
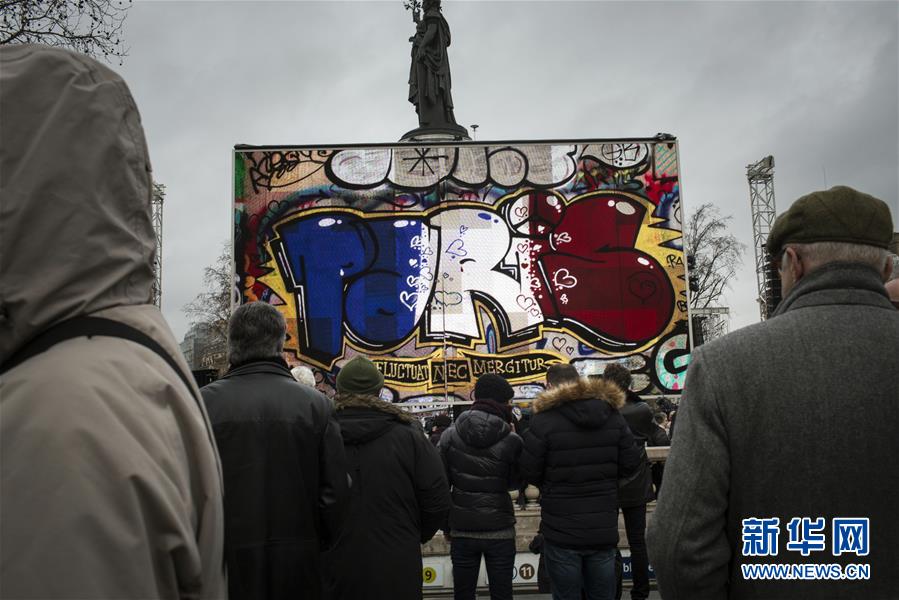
(840, 214)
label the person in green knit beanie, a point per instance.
(400, 496)
(360, 376)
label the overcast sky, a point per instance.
(816, 84)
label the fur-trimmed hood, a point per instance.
(344, 401)
(580, 390)
(364, 418)
(589, 403)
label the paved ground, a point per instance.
(653, 595)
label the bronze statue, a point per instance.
(429, 75)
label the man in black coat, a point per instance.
(286, 487)
(399, 496)
(575, 450)
(481, 456)
(635, 491)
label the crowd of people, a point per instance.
(122, 479)
(314, 485)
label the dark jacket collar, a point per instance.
(502, 410)
(364, 418)
(837, 283)
(272, 366)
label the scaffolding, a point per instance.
(761, 199)
(714, 322)
(156, 213)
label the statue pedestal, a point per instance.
(444, 133)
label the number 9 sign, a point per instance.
(428, 575)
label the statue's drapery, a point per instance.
(429, 75)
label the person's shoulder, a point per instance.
(637, 410)
(308, 394)
(744, 342)
(513, 440)
(98, 391)
(617, 420)
(402, 423)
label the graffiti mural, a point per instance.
(444, 262)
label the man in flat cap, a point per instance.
(781, 481)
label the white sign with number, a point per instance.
(432, 572)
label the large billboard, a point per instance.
(445, 261)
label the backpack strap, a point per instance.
(89, 327)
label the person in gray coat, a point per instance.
(110, 485)
(781, 482)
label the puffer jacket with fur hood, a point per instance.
(576, 448)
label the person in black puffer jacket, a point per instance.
(576, 448)
(481, 456)
(399, 496)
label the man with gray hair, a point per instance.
(286, 486)
(779, 481)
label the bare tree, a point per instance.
(93, 27)
(212, 306)
(716, 255)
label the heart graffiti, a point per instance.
(561, 238)
(447, 298)
(457, 248)
(409, 299)
(564, 279)
(559, 343)
(528, 304)
(642, 286)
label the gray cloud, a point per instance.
(814, 84)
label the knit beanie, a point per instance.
(494, 387)
(360, 376)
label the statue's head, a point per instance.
(430, 4)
